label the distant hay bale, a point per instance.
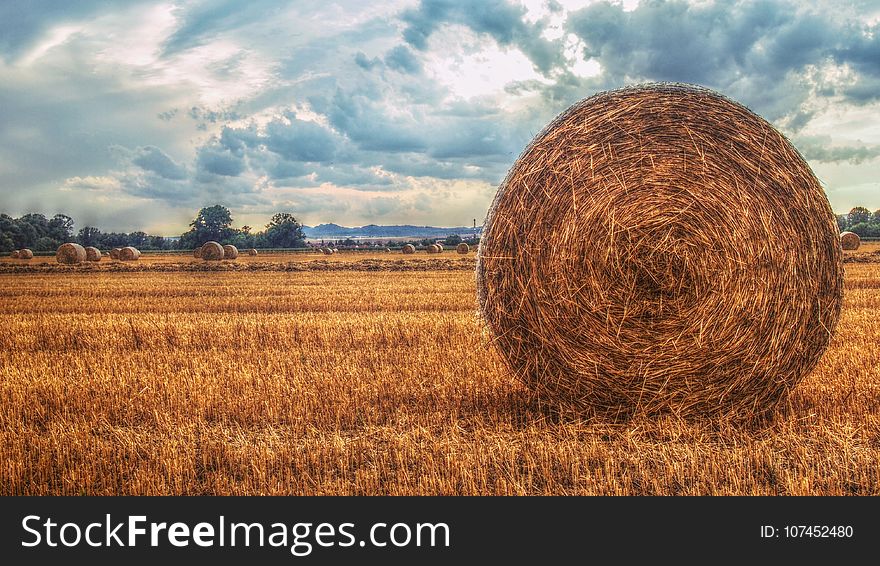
(230, 252)
(336, 250)
(432, 249)
(197, 253)
(93, 254)
(463, 248)
(212, 251)
(387, 250)
(25, 253)
(70, 254)
(15, 254)
(252, 252)
(408, 249)
(114, 253)
(129, 253)
(850, 240)
(660, 249)
(327, 251)
(439, 247)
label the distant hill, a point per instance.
(335, 231)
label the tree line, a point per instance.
(861, 221)
(41, 234)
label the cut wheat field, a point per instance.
(368, 382)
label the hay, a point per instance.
(93, 254)
(70, 254)
(327, 251)
(661, 249)
(850, 240)
(25, 253)
(129, 253)
(463, 248)
(408, 249)
(230, 252)
(432, 249)
(15, 254)
(439, 247)
(212, 251)
(114, 253)
(197, 253)
(252, 252)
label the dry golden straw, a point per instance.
(197, 253)
(408, 249)
(129, 253)
(212, 251)
(850, 240)
(230, 252)
(462, 248)
(25, 253)
(70, 253)
(93, 254)
(114, 253)
(661, 248)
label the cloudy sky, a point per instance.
(134, 114)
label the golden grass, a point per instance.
(388, 388)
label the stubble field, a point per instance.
(371, 376)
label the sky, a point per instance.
(132, 115)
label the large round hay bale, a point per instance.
(15, 254)
(408, 249)
(212, 251)
(129, 253)
(93, 254)
(661, 248)
(197, 253)
(850, 240)
(230, 252)
(25, 253)
(252, 252)
(462, 248)
(114, 253)
(70, 254)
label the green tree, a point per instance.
(89, 236)
(284, 231)
(212, 223)
(45, 244)
(842, 222)
(859, 215)
(61, 228)
(137, 239)
(452, 240)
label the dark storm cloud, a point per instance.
(219, 161)
(300, 140)
(157, 161)
(820, 148)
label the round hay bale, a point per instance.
(197, 253)
(336, 250)
(25, 253)
(850, 240)
(463, 248)
(15, 254)
(114, 253)
(439, 247)
(70, 254)
(129, 253)
(93, 254)
(408, 249)
(212, 251)
(230, 252)
(252, 252)
(661, 248)
(432, 249)
(327, 251)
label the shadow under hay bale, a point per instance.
(212, 251)
(70, 254)
(628, 266)
(850, 240)
(93, 254)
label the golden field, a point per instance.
(367, 382)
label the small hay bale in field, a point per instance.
(850, 240)
(336, 250)
(628, 264)
(230, 252)
(70, 254)
(15, 254)
(25, 253)
(463, 248)
(408, 249)
(252, 252)
(327, 251)
(114, 253)
(93, 254)
(129, 253)
(439, 247)
(432, 249)
(197, 253)
(212, 251)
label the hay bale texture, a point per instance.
(197, 253)
(433, 249)
(129, 253)
(463, 248)
(230, 252)
(114, 253)
(93, 254)
(15, 254)
(408, 249)
(252, 252)
(327, 251)
(25, 253)
(657, 249)
(212, 251)
(70, 254)
(850, 240)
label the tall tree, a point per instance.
(858, 215)
(61, 228)
(89, 236)
(285, 231)
(212, 223)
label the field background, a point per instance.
(373, 376)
